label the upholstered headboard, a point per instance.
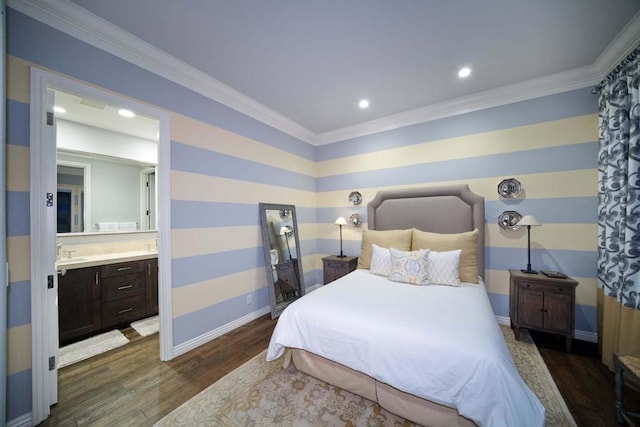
(442, 209)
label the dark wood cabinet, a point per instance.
(78, 303)
(542, 303)
(123, 292)
(151, 283)
(92, 299)
(334, 267)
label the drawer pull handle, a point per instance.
(124, 268)
(122, 288)
(125, 310)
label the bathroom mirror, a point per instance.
(106, 180)
(281, 255)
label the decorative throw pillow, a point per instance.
(443, 268)
(380, 261)
(409, 267)
(400, 239)
(467, 242)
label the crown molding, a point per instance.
(77, 22)
(621, 46)
(535, 88)
(71, 19)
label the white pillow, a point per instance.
(409, 267)
(380, 261)
(443, 268)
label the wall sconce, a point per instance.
(355, 220)
(355, 198)
(340, 222)
(509, 220)
(286, 231)
(509, 188)
(529, 221)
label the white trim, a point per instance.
(38, 270)
(578, 334)
(21, 421)
(40, 82)
(72, 19)
(208, 336)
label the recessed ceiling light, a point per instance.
(59, 110)
(126, 113)
(464, 72)
(364, 103)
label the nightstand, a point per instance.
(335, 267)
(542, 303)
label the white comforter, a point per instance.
(437, 342)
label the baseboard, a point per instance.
(309, 289)
(206, 337)
(21, 421)
(579, 335)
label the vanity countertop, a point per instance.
(102, 259)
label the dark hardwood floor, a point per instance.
(130, 386)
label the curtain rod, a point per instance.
(634, 53)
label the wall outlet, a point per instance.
(249, 299)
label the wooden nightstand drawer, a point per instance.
(536, 286)
(335, 267)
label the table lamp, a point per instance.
(340, 222)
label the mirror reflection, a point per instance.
(106, 167)
(282, 260)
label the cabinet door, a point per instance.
(330, 274)
(79, 311)
(530, 306)
(557, 311)
(151, 267)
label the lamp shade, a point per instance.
(529, 220)
(285, 230)
(341, 221)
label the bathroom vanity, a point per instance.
(100, 292)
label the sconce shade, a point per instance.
(341, 221)
(529, 220)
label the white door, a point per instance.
(50, 179)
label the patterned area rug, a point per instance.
(147, 326)
(90, 347)
(261, 393)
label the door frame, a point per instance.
(42, 237)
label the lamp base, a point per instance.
(341, 256)
(529, 271)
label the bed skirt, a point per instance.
(406, 405)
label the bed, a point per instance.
(432, 354)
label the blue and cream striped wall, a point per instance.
(549, 144)
(224, 163)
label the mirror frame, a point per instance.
(276, 308)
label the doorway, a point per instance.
(44, 313)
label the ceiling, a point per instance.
(98, 114)
(312, 61)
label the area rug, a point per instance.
(147, 326)
(261, 393)
(90, 347)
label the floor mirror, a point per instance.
(282, 258)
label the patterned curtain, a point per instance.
(619, 183)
